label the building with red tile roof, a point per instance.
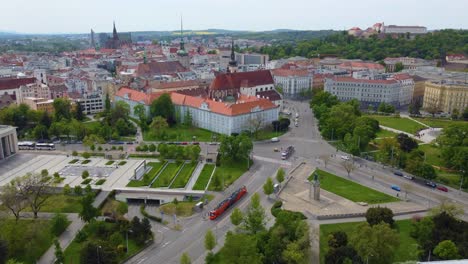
(361, 66)
(249, 83)
(154, 68)
(13, 87)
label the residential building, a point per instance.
(372, 89)
(134, 98)
(91, 104)
(248, 83)
(252, 58)
(293, 82)
(36, 89)
(398, 30)
(11, 86)
(8, 142)
(40, 104)
(446, 95)
(356, 66)
(408, 63)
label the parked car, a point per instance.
(398, 173)
(396, 188)
(195, 143)
(275, 139)
(344, 157)
(408, 177)
(430, 184)
(442, 188)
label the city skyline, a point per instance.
(52, 16)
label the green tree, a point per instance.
(158, 124)
(240, 249)
(62, 109)
(66, 189)
(98, 252)
(78, 190)
(85, 174)
(268, 187)
(255, 218)
(41, 132)
(88, 211)
(337, 239)
(59, 256)
(377, 215)
(399, 67)
(236, 217)
(12, 199)
(375, 244)
(210, 240)
(455, 114)
(34, 187)
(78, 112)
(107, 104)
(185, 259)
(280, 175)
(406, 143)
(58, 224)
(294, 254)
(446, 250)
(86, 155)
(3, 251)
(163, 107)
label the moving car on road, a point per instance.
(275, 139)
(343, 157)
(398, 173)
(442, 188)
(430, 184)
(287, 153)
(408, 177)
(396, 188)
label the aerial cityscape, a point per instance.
(151, 132)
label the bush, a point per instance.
(74, 153)
(58, 224)
(86, 155)
(66, 189)
(56, 175)
(87, 181)
(376, 215)
(78, 190)
(100, 182)
(276, 208)
(85, 174)
(81, 236)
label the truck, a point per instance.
(228, 202)
(285, 154)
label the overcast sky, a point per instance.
(79, 16)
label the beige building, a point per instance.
(8, 141)
(446, 96)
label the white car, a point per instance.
(344, 157)
(408, 177)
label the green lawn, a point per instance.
(94, 126)
(166, 176)
(100, 182)
(72, 252)
(440, 123)
(183, 176)
(408, 249)
(180, 133)
(351, 190)
(385, 134)
(229, 173)
(156, 166)
(402, 124)
(60, 203)
(204, 177)
(183, 209)
(110, 162)
(433, 154)
(27, 239)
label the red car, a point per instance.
(442, 188)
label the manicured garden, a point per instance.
(227, 174)
(385, 134)
(27, 239)
(167, 175)
(433, 154)
(399, 123)
(181, 133)
(439, 123)
(407, 250)
(146, 180)
(184, 176)
(73, 161)
(110, 162)
(351, 190)
(204, 177)
(100, 182)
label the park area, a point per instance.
(406, 251)
(351, 190)
(399, 123)
(204, 177)
(181, 133)
(149, 176)
(438, 122)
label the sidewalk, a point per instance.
(65, 238)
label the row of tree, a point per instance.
(343, 122)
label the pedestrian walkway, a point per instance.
(195, 174)
(427, 135)
(415, 120)
(64, 239)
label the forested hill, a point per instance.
(430, 46)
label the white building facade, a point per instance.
(8, 142)
(397, 91)
(293, 82)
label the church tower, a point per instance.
(182, 54)
(232, 67)
(93, 41)
(115, 36)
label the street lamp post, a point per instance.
(98, 258)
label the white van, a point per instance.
(275, 139)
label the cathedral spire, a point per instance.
(232, 67)
(182, 44)
(114, 33)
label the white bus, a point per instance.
(45, 146)
(26, 145)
